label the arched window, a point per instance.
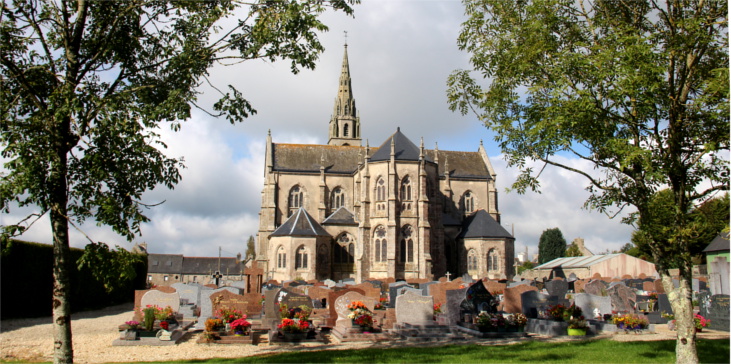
(468, 202)
(472, 260)
(381, 244)
(344, 249)
(381, 190)
(345, 127)
(337, 198)
(492, 261)
(300, 258)
(281, 258)
(295, 199)
(406, 189)
(407, 244)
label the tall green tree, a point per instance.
(84, 85)
(636, 90)
(551, 245)
(250, 247)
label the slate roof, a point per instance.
(461, 164)
(719, 243)
(577, 262)
(207, 265)
(481, 225)
(164, 263)
(307, 158)
(300, 224)
(404, 149)
(341, 216)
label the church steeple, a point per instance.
(345, 122)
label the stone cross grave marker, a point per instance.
(415, 309)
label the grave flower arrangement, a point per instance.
(228, 315)
(240, 326)
(302, 313)
(700, 322)
(555, 312)
(360, 314)
(213, 326)
(516, 320)
(292, 326)
(572, 311)
(437, 308)
(381, 305)
(490, 321)
(630, 322)
(577, 322)
(132, 325)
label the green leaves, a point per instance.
(113, 268)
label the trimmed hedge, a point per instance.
(26, 281)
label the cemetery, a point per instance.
(416, 310)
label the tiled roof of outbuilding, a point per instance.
(207, 265)
(164, 263)
(719, 243)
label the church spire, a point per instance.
(345, 122)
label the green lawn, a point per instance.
(585, 351)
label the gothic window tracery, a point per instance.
(407, 245)
(380, 195)
(281, 258)
(492, 261)
(337, 199)
(406, 197)
(381, 244)
(468, 202)
(471, 260)
(301, 258)
(296, 195)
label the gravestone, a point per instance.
(330, 283)
(519, 283)
(403, 289)
(424, 287)
(271, 309)
(718, 312)
(451, 309)
(229, 300)
(596, 287)
(512, 302)
(636, 284)
(579, 285)
(534, 302)
(415, 309)
(478, 299)
(206, 307)
(439, 291)
(319, 293)
(495, 288)
(241, 285)
(623, 298)
(719, 277)
(341, 307)
(467, 279)
(648, 286)
(189, 291)
(369, 289)
(557, 288)
(393, 290)
(695, 285)
(659, 287)
(161, 299)
(663, 304)
(589, 302)
(293, 299)
(254, 276)
(332, 297)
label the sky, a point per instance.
(400, 53)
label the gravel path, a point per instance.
(93, 333)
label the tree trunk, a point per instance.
(62, 344)
(682, 304)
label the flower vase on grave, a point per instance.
(294, 336)
(577, 332)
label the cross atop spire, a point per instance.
(346, 38)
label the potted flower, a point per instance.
(228, 315)
(130, 330)
(303, 313)
(360, 315)
(381, 305)
(572, 311)
(630, 322)
(577, 326)
(490, 322)
(292, 330)
(365, 322)
(700, 322)
(240, 326)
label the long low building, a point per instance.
(166, 269)
(606, 265)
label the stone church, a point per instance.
(344, 210)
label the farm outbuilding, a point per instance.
(606, 265)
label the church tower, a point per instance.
(345, 122)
